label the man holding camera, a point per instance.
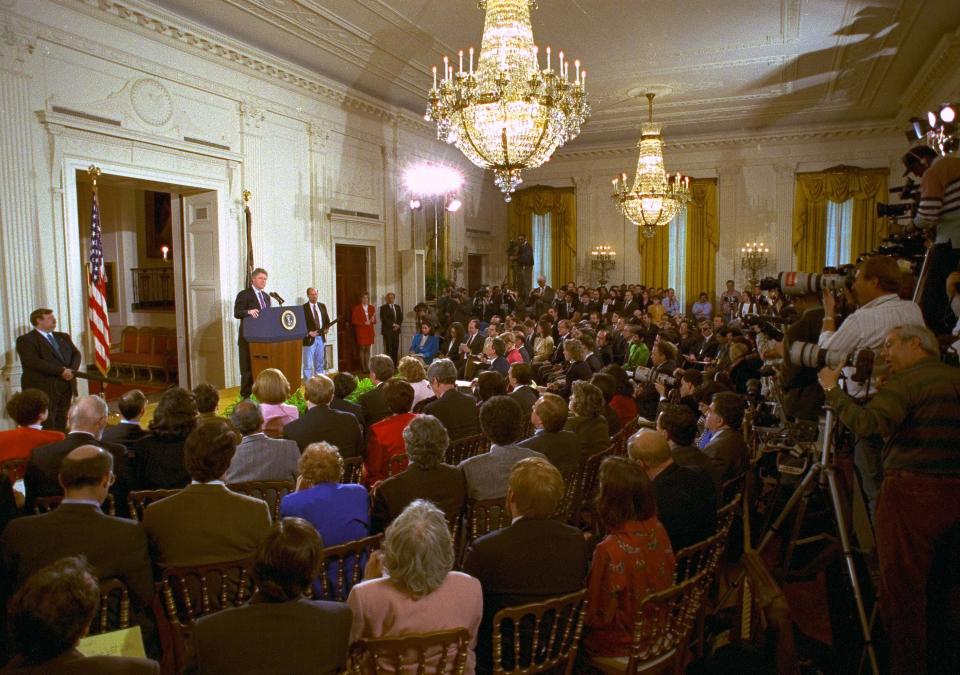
(876, 289)
(917, 410)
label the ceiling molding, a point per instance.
(941, 64)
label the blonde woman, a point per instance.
(271, 388)
(411, 369)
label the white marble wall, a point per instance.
(154, 97)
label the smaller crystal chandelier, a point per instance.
(655, 198)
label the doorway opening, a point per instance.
(163, 290)
(353, 265)
(474, 272)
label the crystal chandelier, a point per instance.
(508, 114)
(655, 198)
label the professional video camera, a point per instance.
(811, 355)
(765, 323)
(643, 374)
(803, 283)
(910, 193)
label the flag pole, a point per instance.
(248, 216)
(97, 316)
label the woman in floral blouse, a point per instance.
(632, 561)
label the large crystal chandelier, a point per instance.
(655, 198)
(508, 114)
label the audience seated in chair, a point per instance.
(633, 560)
(259, 457)
(208, 399)
(520, 381)
(385, 438)
(487, 474)
(271, 389)
(456, 410)
(205, 522)
(427, 477)
(608, 387)
(158, 457)
(421, 593)
(534, 558)
(413, 371)
(278, 630)
(686, 498)
(586, 418)
(131, 406)
(727, 450)
(561, 447)
(48, 616)
(373, 403)
(28, 409)
(679, 425)
(321, 422)
(622, 401)
(345, 384)
(114, 547)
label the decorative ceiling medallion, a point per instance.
(152, 102)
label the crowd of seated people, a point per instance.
(555, 382)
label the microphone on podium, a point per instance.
(276, 296)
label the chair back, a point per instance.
(483, 516)
(145, 341)
(397, 464)
(727, 513)
(186, 594)
(704, 555)
(571, 486)
(139, 500)
(270, 491)
(589, 481)
(14, 468)
(465, 448)
(352, 470)
(735, 486)
(114, 611)
(344, 563)
(538, 637)
(440, 652)
(48, 504)
(128, 340)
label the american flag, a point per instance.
(97, 285)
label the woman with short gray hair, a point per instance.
(421, 594)
(427, 477)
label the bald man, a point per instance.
(87, 419)
(686, 497)
(115, 547)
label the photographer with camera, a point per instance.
(875, 287)
(802, 394)
(917, 410)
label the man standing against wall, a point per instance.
(391, 316)
(313, 344)
(49, 360)
(250, 301)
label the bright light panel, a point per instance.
(432, 179)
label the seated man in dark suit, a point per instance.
(131, 406)
(87, 419)
(374, 405)
(322, 423)
(205, 522)
(49, 615)
(561, 447)
(686, 498)
(494, 350)
(278, 630)
(520, 379)
(456, 411)
(577, 369)
(535, 558)
(427, 477)
(727, 450)
(114, 547)
(345, 384)
(679, 426)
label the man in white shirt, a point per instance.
(314, 343)
(881, 309)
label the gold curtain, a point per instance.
(836, 185)
(702, 243)
(561, 204)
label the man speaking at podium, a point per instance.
(249, 302)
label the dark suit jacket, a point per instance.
(728, 454)
(686, 504)
(578, 370)
(444, 485)
(42, 366)
(321, 423)
(312, 323)
(709, 349)
(596, 365)
(692, 457)
(475, 343)
(563, 312)
(526, 396)
(374, 406)
(245, 301)
(123, 433)
(500, 365)
(451, 350)
(528, 561)
(115, 547)
(75, 663)
(457, 412)
(307, 637)
(562, 448)
(41, 475)
(354, 409)
(387, 318)
(159, 463)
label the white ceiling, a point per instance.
(722, 65)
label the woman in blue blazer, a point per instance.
(425, 344)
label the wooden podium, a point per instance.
(276, 341)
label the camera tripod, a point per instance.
(823, 473)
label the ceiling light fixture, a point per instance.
(508, 114)
(655, 198)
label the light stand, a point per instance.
(438, 183)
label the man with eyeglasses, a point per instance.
(917, 410)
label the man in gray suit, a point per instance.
(259, 457)
(488, 474)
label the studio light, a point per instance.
(453, 205)
(415, 204)
(948, 114)
(429, 180)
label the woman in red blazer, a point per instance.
(385, 438)
(28, 409)
(364, 319)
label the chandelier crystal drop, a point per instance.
(655, 197)
(508, 114)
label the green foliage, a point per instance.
(436, 284)
(296, 399)
(363, 386)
